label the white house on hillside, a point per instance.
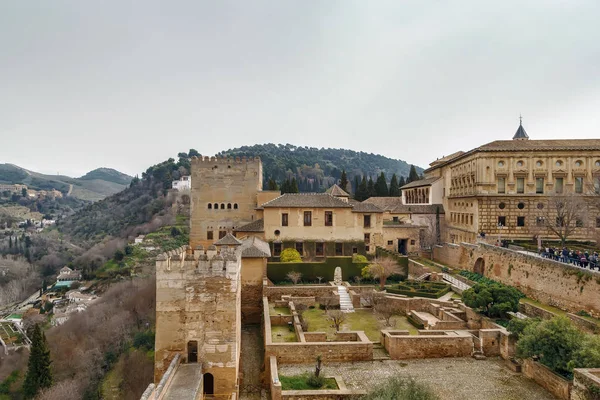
(185, 182)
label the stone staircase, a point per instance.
(379, 352)
(345, 300)
(423, 277)
(477, 349)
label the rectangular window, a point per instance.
(501, 185)
(284, 219)
(539, 185)
(367, 221)
(367, 249)
(579, 223)
(222, 234)
(209, 235)
(395, 219)
(520, 185)
(367, 238)
(339, 249)
(390, 242)
(355, 250)
(319, 249)
(300, 248)
(597, 222)
(558, 186)
(502, 221)
(520, 221)
(307, 218)
(539, 221)
(578, 184)
(276, 249)
(412, 242)
(328, 218)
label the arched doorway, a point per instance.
(192, 351)
(479, 267)
(208, 384)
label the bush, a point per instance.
(359, 258)
(315, 381)
(399, 388)
(494, 300)
(277, 271)
(144, 340)
(290, 256)
(306, 381)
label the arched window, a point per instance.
(209, 206)
(222, 206)
(235, 207)
(216, 207)
(229, 206)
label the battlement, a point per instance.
(210, 262)
(210, 161)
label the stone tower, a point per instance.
(198, 298)
(223, 196)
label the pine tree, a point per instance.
(362, 193)
(371, 188)
(394, 187)
(381, 187)
(39, 375)
(412, 175)
(344, 181)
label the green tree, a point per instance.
(119, 255)
(344, 181)
(495, 300)
(294, 186)
(39, 374)
(362, 193)
(412, 175)
(397, 388)
(193, 153)
(356, 185)
(401, 182)
(272, 184)
(371, 188)
(394, 186)
(381, 187)
(10, 243)
(290, 255)
(24, 192)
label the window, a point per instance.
(355, 250)
(367, 238)
(209, 206)
(520, 163)
(558, 186)
(229, 206)
(500, 164)
(367, 221)
(276, 249)
(521, 206)
(578, 184)
(539, 164)
(597, 222)
(539, 221)
(209, 235)
(319, 249)
(395, 219)
(578, 163)
(597, 164)
(284, 219)
(501, 206)
(520, 185)
(300, 248)
(501, 185)
(520, 221)
(328, 218)
(560, 221)
(501, 221)
(579, 223)
(307, 218)
(235, 206)
(216, 207)
(367, 249)
(222, 234)
(222, 206)
(412, 242)
(559, 163)
(597, 185)
(539, 185)
(390, 242)
(339, 249)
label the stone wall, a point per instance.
(402, 346)
(566, 287)
(585, 383)
(534, 311)
(416, 269)
(275, 292)
(253, 272)
(555, 384)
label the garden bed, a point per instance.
(431, 290)
(307, 381)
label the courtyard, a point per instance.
(450, 378)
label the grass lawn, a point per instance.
(555, 310)
(360, 320)
(279, 310)
(299, 382)
(281, 334)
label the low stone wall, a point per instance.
(454, 344)
(586, 384)
(276, 292)
(416, 269)
(555, 384)
(583, 324)
(535, 312)
(315, 336)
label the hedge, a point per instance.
(277, 271)
(433, 291)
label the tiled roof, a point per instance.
(306, 200)
(365, 207)
(520, 133)
(255, 248)
(421, 182)
(254, 226)
(228, 240)
(337, 191)
(417, 209)
(384, 203)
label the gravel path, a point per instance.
(451, 378)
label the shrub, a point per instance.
(144, 340)
(277, 271)
(294, 277)
(359, 258)
(494, 300)
(399, 388)
(315, 381)
(290, 256)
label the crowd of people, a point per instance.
(579, 258)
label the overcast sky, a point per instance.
(126, 84)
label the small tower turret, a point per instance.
(521, 134)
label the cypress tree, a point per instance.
(356, 185)
(294, 186)
(371, 188)
(344, 181)
(412, 175)
(39, 375)
(272, 184)
(10, 242)
(401, 183)
(362, 193)
(394, 187)
(381, 187)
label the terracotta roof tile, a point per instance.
(306, 200)
(254, 226)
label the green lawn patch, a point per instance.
(282, 334)
(432, 290)
(279, 310)
(304, 382)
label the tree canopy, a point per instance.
(290, 256)
(494, 299)
(39, 375)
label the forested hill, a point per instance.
(321, 167)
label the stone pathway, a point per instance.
(450, 378)
(185, 383)
(251, 362)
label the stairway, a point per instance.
(379, 352)
(423, 277)
(345, 300)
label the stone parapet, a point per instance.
(586, 384)
(543, 376)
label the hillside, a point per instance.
(93, 186)
(323, 166)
